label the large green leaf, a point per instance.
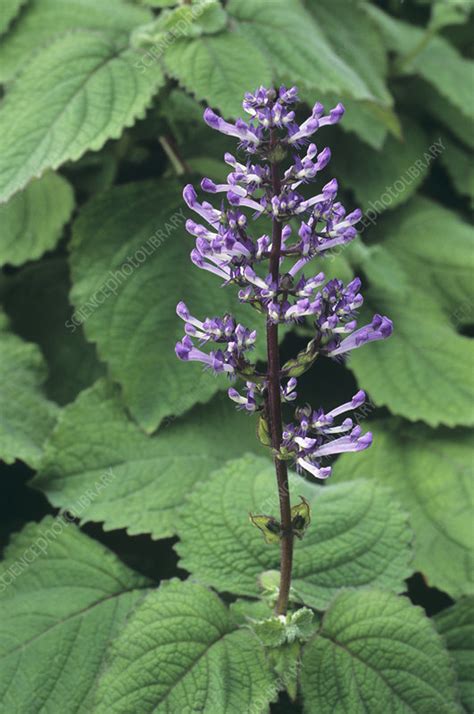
(27, 417)
(357, 42)
(424, 371)
(280, 26)
(36, 300)
(421, 279)
(10, 10)
(456, 626)
(218, 68)
(44, 20)
(431, 473)
(435, 248)
(358, 536)
(132, 239)
(33, 219)
(350, 55)
(151, 475)
(63, 599)
(391, 175)
(180, 652)
(437, 61)
(81, 90)
(376, 653)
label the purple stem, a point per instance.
(275, 419)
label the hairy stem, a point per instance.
(275, 420)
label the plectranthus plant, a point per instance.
(281, 276)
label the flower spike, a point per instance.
(271, 272)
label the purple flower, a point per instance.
(315, 436)
(229, 245)
(379, 329)
(235, 339)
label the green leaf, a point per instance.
(32, 220)
(278, 26)
(436, 61)
(42, 21)
(27, 416)
(81, 90)
(130, 267)
(434, 246)
(376, 653)
(205, 17)
(424, 371)
(36, 300)
(180, 651)
(276, 630)
(440, 108)
(357, 42)
(218, 68)
(449, 12)
(458, 163)
(152, 475)
(428, 302)
(456, 626)
(430, 472)
(391, 175)
(63, 598)
(10, 10)
(358, 536)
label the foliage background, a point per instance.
(100, 126)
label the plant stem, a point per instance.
(275, 421)
(169, 147)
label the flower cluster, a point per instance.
(316, 436)
(253, 397)
(234, 338)
(280, 160)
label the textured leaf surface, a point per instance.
(9, 11)
(424, 371)
(27, 417)
(63, 598)
(78, 92)
(181, 653)
(376, 653)
(42, 21)
(357, 42)
(456, 626)
(385, 181)
(438, 62)
(278, 26)
(435, 248)
(357, 537)
(135, 326)
(36, 300)
(32, 220)
(152, 475)
(218, 68)
(431, 473)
